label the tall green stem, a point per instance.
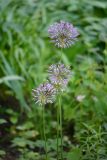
(43, 116)
(60, 121)
(61, 55)
(57, 133)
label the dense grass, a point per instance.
(26, 53)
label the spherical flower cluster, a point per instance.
(59, 76)
(63, 34)
(44, 94)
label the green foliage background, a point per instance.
(26, 53)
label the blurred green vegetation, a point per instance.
(26, 53)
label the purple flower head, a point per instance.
(63, 34)
(59, 76)
(44, 94)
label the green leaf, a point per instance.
(11, 78)
(75, 154)
(2, 152)
(2, 121)
(20, 142)
(14, 120)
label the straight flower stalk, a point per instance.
(57, 133)
(44, 131)
(60, 123)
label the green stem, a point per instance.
(61, 55)
(43, 116)
(57, 133)
(60, 119)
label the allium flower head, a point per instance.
(59, 76)
(44, 94)
(63, 34)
